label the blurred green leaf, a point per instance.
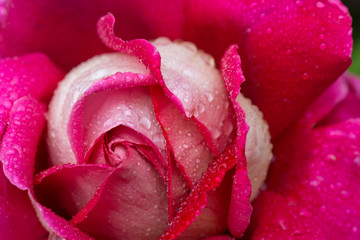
(355, 67)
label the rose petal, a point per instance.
(258, 148)
(16, 210)
(32, 75)
(29, 26)
(279, 217)
(211, 179)
(320, 178)
(20, 140)
(191, 77)
(309, 57)
(190, 150)
(349, 107)
(240, 208)
(78, 84)
(58, 226)
(133, 204)
(53, 187)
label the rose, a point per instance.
(325, 144)
(258, 63)
(150, 137)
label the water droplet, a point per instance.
(216, 134)
(299, 3)
(145, 122)
(282, 225)
(320, 4)
(209, 96)
(7, 104)
(305, 76)
(185, 85)
(322, 46)
(228, 127)
(185, 146)
(268, 30)
(187, 73)
(127, 78)
(345, 193)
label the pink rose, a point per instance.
(121, 161)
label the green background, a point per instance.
(354, 7)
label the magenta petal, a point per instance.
(29, 26)
(291, 50)
(32, 75)
(20, 140)
(319, 173)
(16, 211)
(58, 226)
(348, 108)
(240, 208)
(278, 217)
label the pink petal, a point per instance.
(133, 203)
(190, 150)
(16, 211)
(32, 75)
(240, 208)
(279, 217)
(67, 189)
(317, 173)
(29, 26)
(211, 179)
(190, 75)
(291, 50)
(92, 77)
(102, 108)
(20, 140)
(57, 225)
(349, 107)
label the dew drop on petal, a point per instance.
(145, 122)
(320, 4)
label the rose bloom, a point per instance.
(147, 135)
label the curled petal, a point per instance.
(20, 140)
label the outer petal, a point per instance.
(315, 174)
(320, 185)
(16, 211)
(23, 80)
(291, 50)
(29, 26)
(32, 75)
(20, 140)
(51, 200)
